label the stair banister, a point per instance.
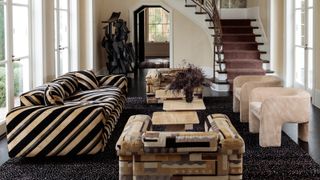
(210, 7)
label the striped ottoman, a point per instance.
(216, 153)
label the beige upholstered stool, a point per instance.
(270, 107)
(242, 87)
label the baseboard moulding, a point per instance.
(316, 98)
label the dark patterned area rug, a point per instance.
(286, 162)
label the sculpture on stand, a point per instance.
(121, 56)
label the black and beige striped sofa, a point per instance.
(72, 115)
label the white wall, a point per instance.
(277, 37)
(87, 58)
(317, 43)
(316, 99)
(49, 62)
(190, 42)
(263, 11)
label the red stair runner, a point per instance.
(241, 53)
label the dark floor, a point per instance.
(3, 151)
(137, 88)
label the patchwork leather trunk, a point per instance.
(215, 153)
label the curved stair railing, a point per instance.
(210, 8)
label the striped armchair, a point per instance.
(74, 114)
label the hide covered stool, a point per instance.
(214, 153)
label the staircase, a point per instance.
(235, 47)
(240, 49)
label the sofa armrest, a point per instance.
(119, 81)
(55, 130)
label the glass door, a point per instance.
(61, 15)
(14, 53)
(303, 44)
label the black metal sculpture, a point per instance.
(121, 54)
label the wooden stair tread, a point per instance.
(238, 20)
(218, 81)
(268, 71)
(239, 42)
(200, 12)
(238, 27)
(235, 27)
(227, 34)
(243, 51)
(244, 60)
(190, 5)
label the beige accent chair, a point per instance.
(243, 85)
(271, 107)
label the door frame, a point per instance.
(131, 22)
(289, 67)
(57, 47)
(306, 58)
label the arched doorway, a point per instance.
(152, 28)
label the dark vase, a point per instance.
(189, 95)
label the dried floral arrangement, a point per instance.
(187, 79)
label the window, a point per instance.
(61, 15)
(303, 46)
(158, 25)
(14, 53)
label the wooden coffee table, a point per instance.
(182, 105)
(176, 120)
(168, 94)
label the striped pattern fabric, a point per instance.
(55, 131)
(54, 94)
(109, 96)
(33, 97)
(119, 81)
(87, 80)
(68, 121)
(69, 83)
(112, 99)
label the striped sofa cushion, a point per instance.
(119, 81)
(33, 97)
(69, 83)
(56, 130)
(54, 94)
(87, 80)
(110, 97)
